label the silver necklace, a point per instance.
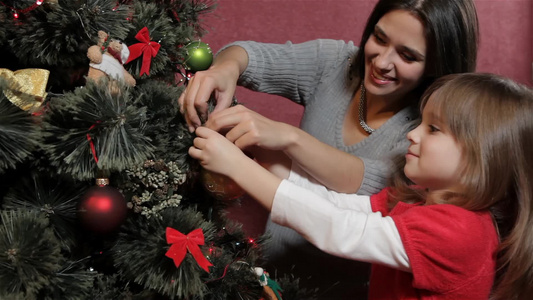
(365, 126)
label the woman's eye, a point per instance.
(378, 38)
(408, 57)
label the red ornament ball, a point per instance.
(102, 209)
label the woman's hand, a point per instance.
(220, 79)
(193, 101)
(248, 128)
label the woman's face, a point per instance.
(395, 55)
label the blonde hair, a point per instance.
(491, 117)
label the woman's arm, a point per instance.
(333, 168)
(289, 70)
(351, 201)
(220, 78)
(293, 71)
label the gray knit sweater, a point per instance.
(315, 74)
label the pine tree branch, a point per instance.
(140, 253)
(53, 198)
(94, 117)
(18, 133)
(28, 261)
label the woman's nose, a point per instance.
(384, 60)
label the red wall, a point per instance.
(506, 27)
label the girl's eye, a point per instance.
(433, 128)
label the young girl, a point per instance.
(458, 225)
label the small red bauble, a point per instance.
(102, 209)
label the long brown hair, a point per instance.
(451, 32)
(491, 117)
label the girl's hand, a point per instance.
(216, 153)
(249, 128)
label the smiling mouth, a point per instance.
(381, 77)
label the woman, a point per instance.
(360, 102)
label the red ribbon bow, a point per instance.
(146, 48)
(181, 243)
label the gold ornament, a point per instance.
(27, 87)
(221, 186)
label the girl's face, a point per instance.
(434, 158)
(395, 55)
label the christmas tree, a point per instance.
(99, 198)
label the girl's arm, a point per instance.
(333, 227)
(219, 155)
(345, 232)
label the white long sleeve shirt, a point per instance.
(340, 224)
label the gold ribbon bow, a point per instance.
(26, 87)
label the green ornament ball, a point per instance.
(199, 56)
